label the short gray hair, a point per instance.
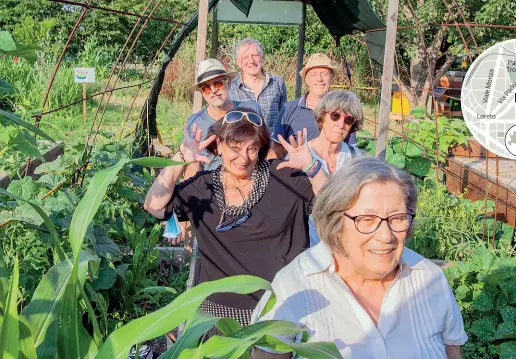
(342, 189)
(248, 41)
(343, 101)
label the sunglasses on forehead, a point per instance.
(236, 116)
(348, 120)
(206, 87)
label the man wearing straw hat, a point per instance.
(297, 114)
(213, 81)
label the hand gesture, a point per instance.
(299, 155)
(192, 145)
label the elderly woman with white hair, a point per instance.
(360, 287)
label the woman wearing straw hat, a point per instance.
(250, 215)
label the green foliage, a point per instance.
(485, 290)
(452, 227)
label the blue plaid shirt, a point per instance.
(272, 97)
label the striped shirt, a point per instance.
(418, 317)
(271, 99)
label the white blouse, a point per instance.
(418, 317)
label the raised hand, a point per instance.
(299, 155)
(192, 145)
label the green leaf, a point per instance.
(28, 52)
(6, 42)
(419, 112)
(156, 162)
(27, 349)
(17, 120)
(42, 311)
(483, 302)
(508, 314)
(25, 188)
(396, 160)
(25, 143)
(165, 319)
(10, 334)
(51, 180)
(219, 347)
(419, 166)
(504, 329)
(6, 87)
(321, 350)
(106, 277)
(195, 327)
(508, 350)
(57, 165)
(104, 246)
(484, 328)
(227, 326)
(158, 289)
(90, 203)
(52, 229)
(4, 285)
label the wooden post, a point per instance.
(83, 103)
(214, 34)
(388, 68)
(202, 30)
(300, 51)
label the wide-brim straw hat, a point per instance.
(317, 60)
(209, 69)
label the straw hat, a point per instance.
(209, 69)
(317, 60)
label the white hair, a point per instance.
(248, 41)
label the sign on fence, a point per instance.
(83, 74)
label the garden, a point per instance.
(81, 266)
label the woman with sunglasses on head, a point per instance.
(250, 215)
(337, 114)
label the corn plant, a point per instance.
(51, 326)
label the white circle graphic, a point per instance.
(488, 99)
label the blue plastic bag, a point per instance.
(172, 228)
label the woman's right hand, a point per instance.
(192, 145)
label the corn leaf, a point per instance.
(4, 285)
(219, 347)
(321, 350)
(29, 126)
(42, 311)
(27, 348)
(156, 162)
(9, 337)
(196, 326)
(165, 319)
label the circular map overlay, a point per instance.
(489, 99)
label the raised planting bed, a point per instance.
(469, 173)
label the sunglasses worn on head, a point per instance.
(233, 222)
(206, 87)
(348, 120)
(235, 116)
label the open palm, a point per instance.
(299, 155)
(192, 145)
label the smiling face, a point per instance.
(318, 80)
(375, 255)
(249, 60)
(218, 95)
(239, 158)
(336, 131)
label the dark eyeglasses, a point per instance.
(233, 222)
(367, 224)
(235, 116)
(206, 87)
(348, 120)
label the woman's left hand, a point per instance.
(299, 155)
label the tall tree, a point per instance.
(426, 53)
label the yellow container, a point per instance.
(399, 103)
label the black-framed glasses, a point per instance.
(235, 116)
(233, 222)
(348, 120)
(366, 224)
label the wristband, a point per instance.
(309, 167)
(181, 155)
(315, 170)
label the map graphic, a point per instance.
(489, 99)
